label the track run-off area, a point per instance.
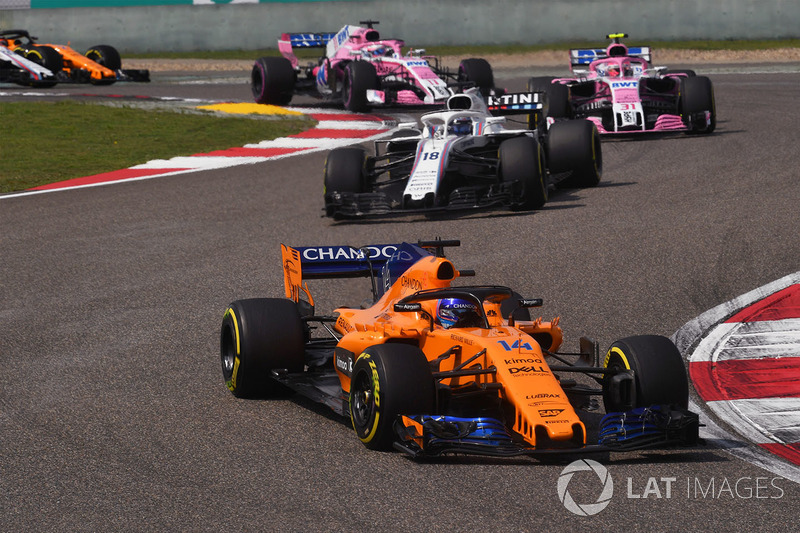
(112, 407)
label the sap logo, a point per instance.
(548, 413)
(624, 85)
(515, 346)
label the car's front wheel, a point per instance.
(697, 99)
(522, 162)
(477, 71)
(359, 77)
(388, 380)
(659, 373)
(105, 55)
(574, 146)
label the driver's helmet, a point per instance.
(457, 312)
(460, 126)
(378, 51)
(612, 71)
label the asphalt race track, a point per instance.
(114, 416)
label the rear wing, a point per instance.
(321, 262)
(385, 261)
(289, 41)
(582, 57)
(306, 40)
(515, 103)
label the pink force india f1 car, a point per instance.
(619, 90)
(360, 69)
(430, 367)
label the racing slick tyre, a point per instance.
(257, 336)
(359, 77)
(557, 101)
(388, 380)
(658, 372)
(697, 97)
(522, 161)
(272, 81)
(479, 72)
(345, 172)
(46, 57)
(105, 55)
(574, 146)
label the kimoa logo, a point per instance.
(586, 509)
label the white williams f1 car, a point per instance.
(464, 158)
(16, 69)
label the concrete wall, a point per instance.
(419, 22)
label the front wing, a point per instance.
(376, 204)
(657, 426)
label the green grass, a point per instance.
(49, 142)
(497, 49)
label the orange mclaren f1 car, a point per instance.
(430, 368)
(101, 65)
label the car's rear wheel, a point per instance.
(659, 372)
(522, 161)
(697, 98)
(359, 77)
(272, 81)
(389, 380)
(556, 100)
(46, 57)
(105, 55)
(478, 71)
(574, 146)
(257, 336)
